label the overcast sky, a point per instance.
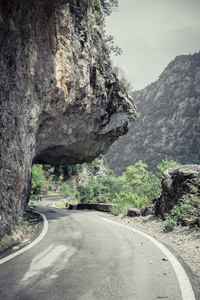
(152, 33)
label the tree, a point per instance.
(38, 179)
(103, 189)
(109, 6)
(106, 7)
(164, 165)
(100, 10)
(142, 182)
(64, 190)
(123, 79)
(112, 47)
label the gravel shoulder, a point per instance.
(23, 236)
(183, 242)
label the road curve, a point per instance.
(84, 257)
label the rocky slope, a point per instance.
(60, 102)
(99, 171)
(181, 185)
(169, 119)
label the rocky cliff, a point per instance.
(178, 182)
(169, 119)
(60, 102)
(100, 170)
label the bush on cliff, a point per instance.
(175, 217)
(164, 165)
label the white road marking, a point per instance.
(39, 238)
(54, 205)
(184, 282)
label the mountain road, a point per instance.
(83, 257)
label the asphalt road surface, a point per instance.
(84, 257)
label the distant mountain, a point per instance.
(168, 126)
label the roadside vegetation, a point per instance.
(135, 188)
(179, 212)
(27, 225)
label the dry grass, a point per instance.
(18, 233)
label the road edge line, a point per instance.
(187, 291)
(36, 241)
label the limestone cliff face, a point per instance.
(60, 102)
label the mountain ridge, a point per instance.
(169, 119)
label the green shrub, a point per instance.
(53, 186)
(93, 166)
(169, 223)
(129, 198)
(164, 165)
(64, 190)
(107, 6)
(77, 195)
(86, 193)
(141, 182)
(136, 186)
(36, 198)
(120, 209)
(111, 187)
(193, 197)
(38, 179)
(175, 217)
(100, 190)
(120, 72)
(124, 201)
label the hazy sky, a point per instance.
(152, 33)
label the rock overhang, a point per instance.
(82, 136)
(61, 103)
